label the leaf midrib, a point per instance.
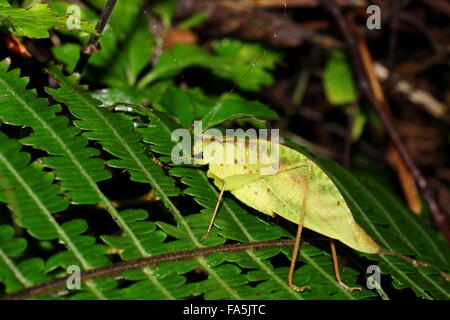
(14, 269)
(62, 234)
(93, 185)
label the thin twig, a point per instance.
(92, 46)
(439, 215)
(117, 268)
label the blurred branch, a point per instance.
(92, 46)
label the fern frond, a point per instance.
(116, 135)
(171, 282)
(119, 138)
(29, 193)
(71, 158)
(74, 164)
(76, 168)
(158, 132)
(231, 59)
(14, 275)
(160, 286)
(27, 190)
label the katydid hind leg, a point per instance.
(336, 268)
(299, 233)
(216, 209)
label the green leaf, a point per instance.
(165, 9)
(188, 232)
(111, 96)
(66, 7)
(127, 47)
(233, 60)
(247, 64)
(67, 53)
(188, 106)
(358, 124)
(193, 21)
(338, 79)
(36, 21)
(233, 108)
(179, 103)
